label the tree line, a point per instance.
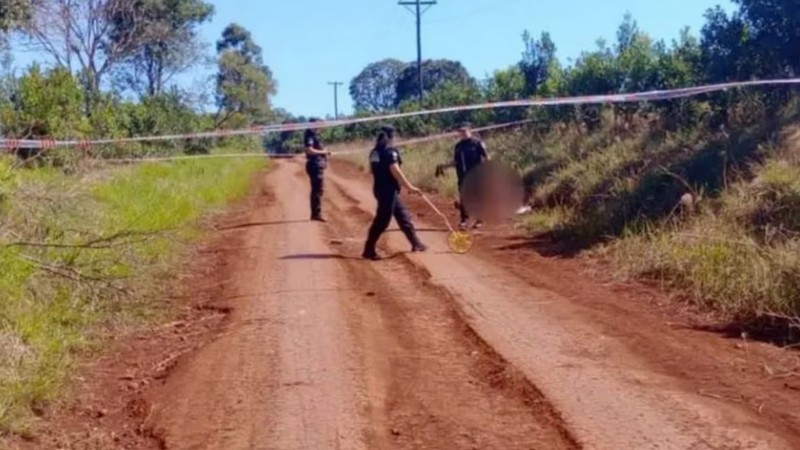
(760, 39)
(115, 66)
(116, 63)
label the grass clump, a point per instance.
(740, 255)
(719, 265)
(775, 201)
(709, 210)
(83, 254)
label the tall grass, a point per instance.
(719, 265)
(711, 212)
(740, 255)
(83, 253)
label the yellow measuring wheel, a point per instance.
(459, 241)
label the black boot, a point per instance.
(369, 249)
(419, 247)
(371, 255)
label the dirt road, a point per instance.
(437, 351)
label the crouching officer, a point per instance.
(470, 152)
(316, 163)
(385, 165)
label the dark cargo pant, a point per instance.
(390, 205)
(461, 208)
(316, 175)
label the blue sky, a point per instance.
(310, 42)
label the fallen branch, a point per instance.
(704, 393)
(166, 364)
(125, 234)
(76, 246)
(793, 321)
(70, 273)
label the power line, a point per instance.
(336, 85)
(418, 11)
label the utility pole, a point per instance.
(418, 11)
(336, 85)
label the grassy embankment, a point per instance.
(731, 245)
(85, 255)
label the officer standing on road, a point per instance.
(385, 165)
(470, 152)
(316, 163)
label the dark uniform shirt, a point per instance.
(469, 154)
(312, 140)
(380, 161)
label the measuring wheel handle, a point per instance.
(459, 241)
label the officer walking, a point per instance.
(385, 165)
(316, 163)
(470, 152)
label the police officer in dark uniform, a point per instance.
(385, 165)
(316, 163)
(470, 152)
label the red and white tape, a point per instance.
(649, 96)
(415, 141)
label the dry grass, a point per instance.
(735, 251)
(740, 255)
(718, 264)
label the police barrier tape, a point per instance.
(415, 141)
(649, 96)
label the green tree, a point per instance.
(637, 58)
(556, 85)
(436, 73)
(453, 94)
(505, 85)
(45, 104)
(637, 64)
(774, 34)
(678, 67)
(536, 60)
(13, 12)
(375, 88)
(627, 33)
(244, 83)
(595, 72)
(726, 47)
(169, 41)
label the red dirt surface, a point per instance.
(291, 341)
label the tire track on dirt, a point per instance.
(609, 397)
(283, 374)
(447, 390)
(324, 351)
